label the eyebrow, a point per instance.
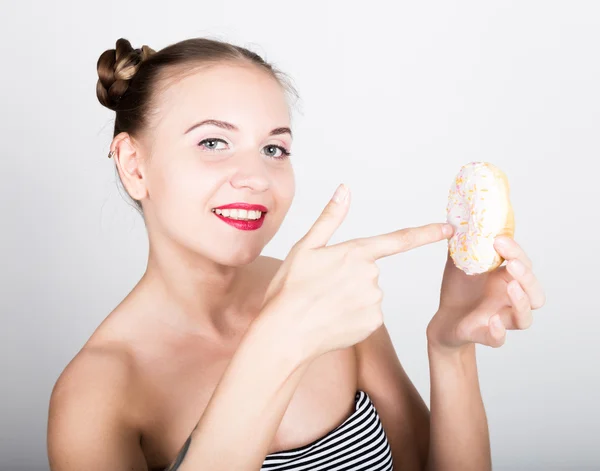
(232, 127)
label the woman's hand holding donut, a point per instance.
(325, 298)
(480, 308)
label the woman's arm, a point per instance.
(246, 408)
(473, 309)
(454, 435)
(459, 438)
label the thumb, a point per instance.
(330, 219)
(491, 333)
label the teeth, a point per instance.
(239, 214)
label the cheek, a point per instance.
(180, 194)
(185, 182)
(284, 189)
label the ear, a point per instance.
(127, 156)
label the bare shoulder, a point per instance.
(89, 423)
(93, 367)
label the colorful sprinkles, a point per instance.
(471, 247)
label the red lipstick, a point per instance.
(249, 225)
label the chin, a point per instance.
(238, 257)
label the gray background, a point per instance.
(396, 96)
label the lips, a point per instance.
(249, 225)
(244, 225)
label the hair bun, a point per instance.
(116, 67)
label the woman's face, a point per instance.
(195, 168)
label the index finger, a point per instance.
(403, 240)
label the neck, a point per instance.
(196, 294)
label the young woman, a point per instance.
(223, 359)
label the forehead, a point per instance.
(242, 94)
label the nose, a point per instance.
(251, 172)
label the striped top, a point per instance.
(358, 444)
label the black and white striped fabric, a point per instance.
(358, 444)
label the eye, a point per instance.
(212, 141)
(273, 148)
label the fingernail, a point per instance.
(518, 291)
(448, 230)
(497, 325)
(501, 242)
(340, 193)
(517, 267)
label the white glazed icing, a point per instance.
(477, 208)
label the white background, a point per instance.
(396, 96)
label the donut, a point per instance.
(479, 209)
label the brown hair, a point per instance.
(129, 78)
